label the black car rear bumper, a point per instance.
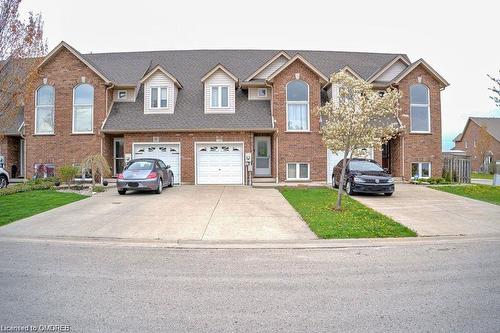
(373, 188)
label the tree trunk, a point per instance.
(341, 182)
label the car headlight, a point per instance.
(359, 180)
(390, 180)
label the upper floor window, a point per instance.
(419, 109)
(219, 97)
(44, 110)
(159, 97)
(297, 106)
(83, 108)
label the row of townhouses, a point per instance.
(208, 113)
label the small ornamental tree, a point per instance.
(357, 118)
(495, 89)
(98, 166)
(67, 173)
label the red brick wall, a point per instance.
(470, 135)
(421, 147)
(187, 141)
(9, 148)
(304, 147)
(63, 72)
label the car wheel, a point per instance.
(160, 187)
(3, 181)
(122, 192)
(348, 188)
(171, 182)
(334, 182)
(388, 194)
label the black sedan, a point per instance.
(363, 176)
(145, 174)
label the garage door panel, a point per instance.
(219, 163)
(333, 158)
(168, 153)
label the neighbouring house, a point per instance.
(480, 140)
(207, 113)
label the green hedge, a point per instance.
(32, 185)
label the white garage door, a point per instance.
(168, 153)
(333, 158)
(219, 163)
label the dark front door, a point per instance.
(386, 156)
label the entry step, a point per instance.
(263, 180)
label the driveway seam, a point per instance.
(211, 215)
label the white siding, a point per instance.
(392, 72)
(219, 77)
(130, 95)
(271, 68)
(159, 79)
(253, 94)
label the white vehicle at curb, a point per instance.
(4, 178)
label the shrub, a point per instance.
(26, 187)
(67, 173)
(98, 189)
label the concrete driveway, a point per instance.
(179, 213)
(434, 213)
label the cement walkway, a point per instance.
(433, 213)
(181, 213)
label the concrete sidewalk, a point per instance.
(432, 213)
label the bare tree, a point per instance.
(21, 45)
(496, 90)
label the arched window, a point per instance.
(297, 106)
(420, 118)
(44, 110)
(83, 108)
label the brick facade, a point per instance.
(472, 135)
(10, 150)
(306, 147)
(419, 147)
(64, 71)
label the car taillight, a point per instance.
(119, 176)
(152, 175)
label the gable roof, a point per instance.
(491, 124)
(386, 67)
(215, 69)
(270, 61)
(414, 65)
(351, 71)
(161, 69)
(458, 137)
(305, 62)
(77, 54)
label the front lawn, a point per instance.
(485, 193)
(315, 205)
(24, 204)
(481, 175)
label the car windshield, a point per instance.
(364, 166)
(140, 165)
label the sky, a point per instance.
(459, 39)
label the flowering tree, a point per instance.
(496, 90)
(357, 118)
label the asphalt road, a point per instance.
(441, 286)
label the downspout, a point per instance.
(276, 132)
(403, 159)
(107, 113)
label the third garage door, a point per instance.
(219, 163)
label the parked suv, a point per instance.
(363, 175)
(4, 178)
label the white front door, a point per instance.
(169, 153)
(219, 163)
(262, 155)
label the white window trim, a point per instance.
(91, 113)
(297, 169)
(420, 169)
(259, 90)
(428, 105)
(219, 97)
(158, 108)
(53, 111)
(298, 102)
(121, 91)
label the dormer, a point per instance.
(160, 91)
(390, 71)
(219, 86)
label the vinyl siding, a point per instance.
(253, 94)
(130, 95)
(220, 78)
(271, 68)
(159, 79)
(392, 72)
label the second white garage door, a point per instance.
(169, 153)
(333, 158)
(219, 163)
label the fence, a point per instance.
(457, 168)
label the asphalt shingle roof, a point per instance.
(189, 66)
(492, 125)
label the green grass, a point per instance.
(355, 220)
(485, 193)
(481, 175)
(20, 205)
